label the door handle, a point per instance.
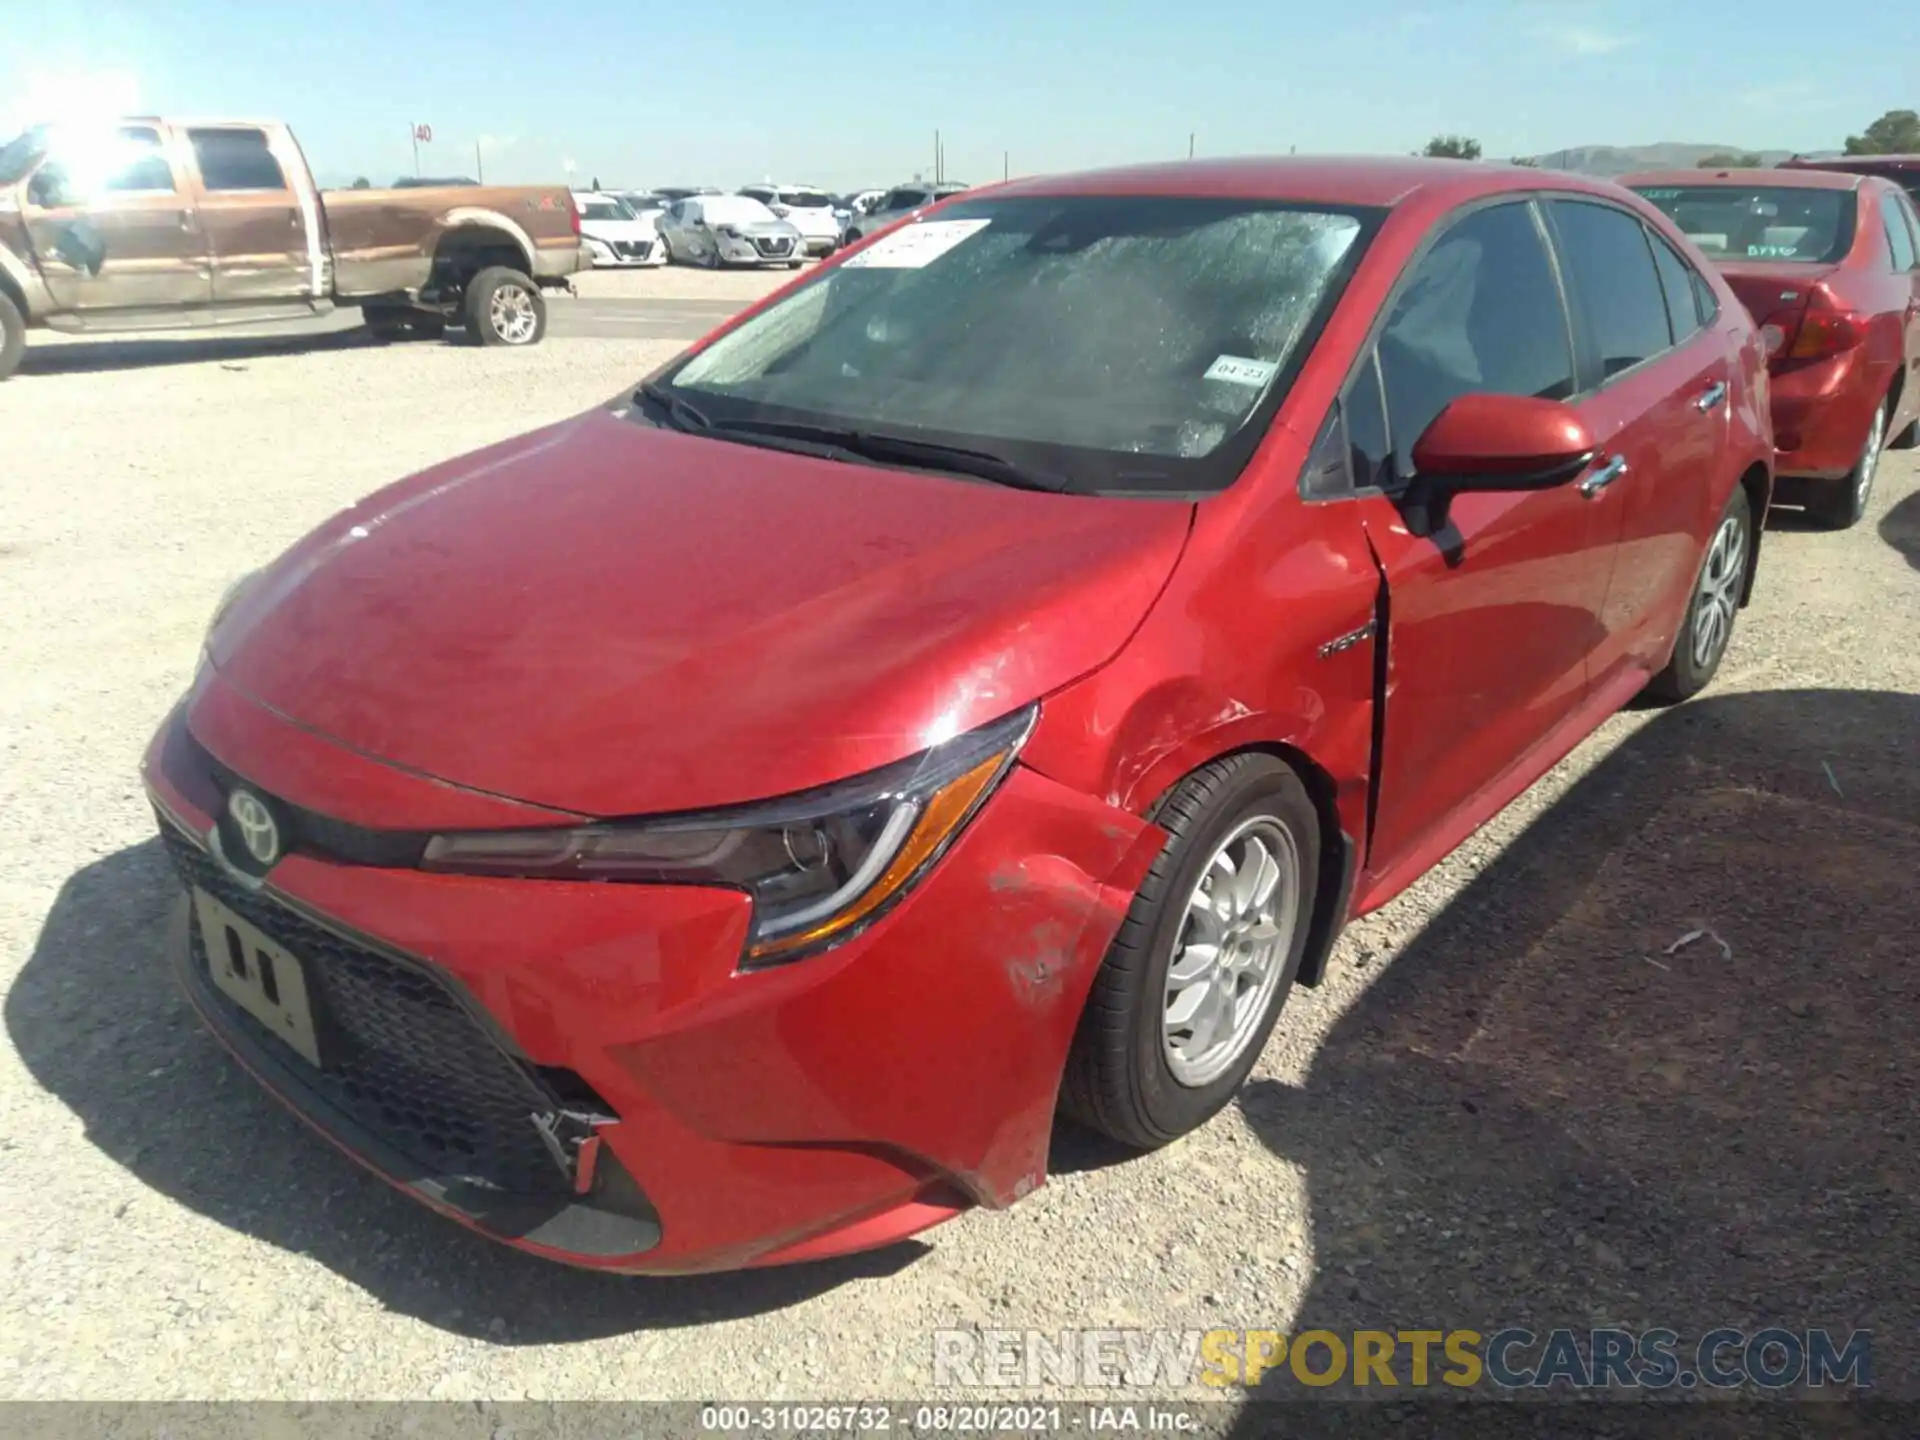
(1716, 392)
(186, 219)
(1604, 476)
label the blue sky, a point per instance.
(646, 93)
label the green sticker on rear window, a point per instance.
(1772, 252)
(1661, 194)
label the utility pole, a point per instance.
(414, 131)
(1003, 166)
(1190, 138)
(939, 160)
(479, 165)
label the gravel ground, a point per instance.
(1509, 1103)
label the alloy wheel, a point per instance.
(512, 313)
(1231, 950)
(1870, 459)
(1720, 580)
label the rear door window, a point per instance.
(1480, 312)
(1899, 235)
(1678, 279)
(236, 160)
(1607, 258)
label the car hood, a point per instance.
(612, 619)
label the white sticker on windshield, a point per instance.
(913, 246)
(1237, 370)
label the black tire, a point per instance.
(793, 264)
(484, 325)
(1842, 504)
(1118, 1079)
(13, 335)
(1690, 669)
(853, 237)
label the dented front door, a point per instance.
(113, 225)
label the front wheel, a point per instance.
(1842, 506)
(504, 307)
(1194, 981)
(1707, 627)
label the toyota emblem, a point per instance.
(255, 823)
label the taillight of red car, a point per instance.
(1822, 329)
(573, 212)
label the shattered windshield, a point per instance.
(1126, 341)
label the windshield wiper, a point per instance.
(901, 449)
(684, 414)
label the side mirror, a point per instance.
(1503, 442)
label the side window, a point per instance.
(1905, 207)
(1479, 313)
(1369, 448)
(1898, 235)
(1677, 279)
(144, 164)
(1705, 303)
(236, 160)
(1613, 284)
(904, 200)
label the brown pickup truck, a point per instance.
(152, 224)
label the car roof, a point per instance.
(1327, 179)
(1779, 179)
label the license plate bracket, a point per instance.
(260, 975)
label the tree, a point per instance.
(362, 183)
(1453, 147)
(1731, 160)
(1895, 133)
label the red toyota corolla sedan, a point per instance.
(724, 829)
(1829, 263)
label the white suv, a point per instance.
(808, 210)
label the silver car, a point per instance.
(721, 230)
(897, 204)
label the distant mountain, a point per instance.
(1610, 160)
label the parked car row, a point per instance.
(989, 678)
(779, 224)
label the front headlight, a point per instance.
(820, 866)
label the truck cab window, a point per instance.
(236, 160)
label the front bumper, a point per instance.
(751, 252)
(839, 1103)
(628, 254)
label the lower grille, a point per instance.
(632, 249)
(406, 1062)
(775, 247)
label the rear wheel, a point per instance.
(504, 307)
(1707, 627)
(1192, 985)
(1843, 505)
(13, 336)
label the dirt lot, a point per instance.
(1510, 1103)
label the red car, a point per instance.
(979, 680)
(1829, 263)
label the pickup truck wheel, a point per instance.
(504, 307)
(13, 336)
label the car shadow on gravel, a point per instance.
(100, 1023)
(1655, 1066)
(91, 357)
(1900, 528)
